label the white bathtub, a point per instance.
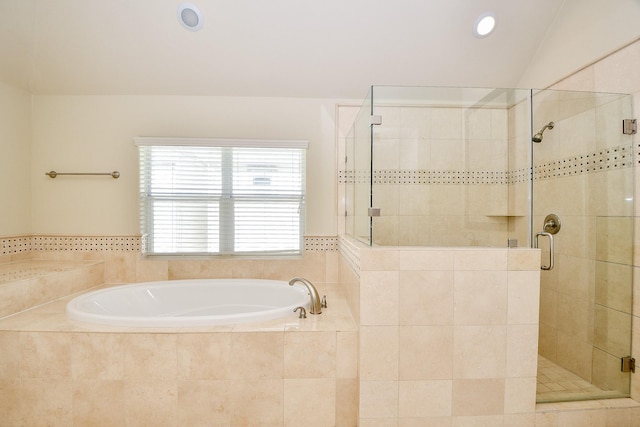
(198, 302)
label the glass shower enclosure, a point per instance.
(486, 167)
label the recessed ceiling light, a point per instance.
(190, 17)
(484, 25)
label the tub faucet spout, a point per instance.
(316, 302)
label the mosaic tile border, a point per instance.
(24, 244)
(597, 161)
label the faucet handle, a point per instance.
(303, 312)
(323, 302)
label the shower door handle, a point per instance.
(551, 250)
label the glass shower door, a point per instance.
(583, 173)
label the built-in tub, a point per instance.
(195, 302)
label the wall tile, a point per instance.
(322, 345)
(478, 397)
(480, 297)
(379, 352)
(253, 400)
(204, 403)
(417, 361)
(256, 355)
(150, 356)
(425, 398)
(426, 298)
(45, 355)
(98, 402)
(479, 351)
(379, 399)
(300, 410)
(151, 402)
(204, 356)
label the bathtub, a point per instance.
(195, 302)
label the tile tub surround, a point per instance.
(27, 283)
(283, 372)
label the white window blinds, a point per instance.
(221, 197)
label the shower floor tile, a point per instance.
(556, 384)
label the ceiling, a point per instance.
(283, 48)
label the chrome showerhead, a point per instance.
(538, 136)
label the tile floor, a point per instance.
(556, 384)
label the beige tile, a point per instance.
(346, 402)
(46, 401)
(591, 418)
(10, 351)
(203, 356)
(479, 351)
(10, 401)
(45, 355)
(98, 402)
(379, 294)
(520, 395)
(151, 403)
(322, 345)
(253, 400)
(97, 356)
(425, 398)
(612, 239)
(417, 361)
(150, 356)
(378, 399)
(614, 283)
(522, 351)
(379, 260)
(311, 266)
(204, 403)
(480, 297)
(440, 259)
(425, 421)
(120, 267)
(378, 422)
(310, 402)
(478, 421)
(426, 298)
(347, 344)
(476, 260)
(257, 355)
(478, 397)
(149, 270)
(379, 353)
(523, 297)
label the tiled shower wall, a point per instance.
(440, 176)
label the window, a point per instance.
(221, 197)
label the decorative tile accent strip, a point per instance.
(15, 245)
(597, 161)
(87, 243)
(321, 244)
(24, 244)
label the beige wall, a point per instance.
(95, 134)
(15, 138)
(570, 43)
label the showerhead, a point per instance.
(538, 136)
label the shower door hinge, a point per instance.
(629, 126)
(374, 211)
(628, 364)
(375, 120)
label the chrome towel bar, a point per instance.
(53, 174)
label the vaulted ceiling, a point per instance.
(298, 48)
